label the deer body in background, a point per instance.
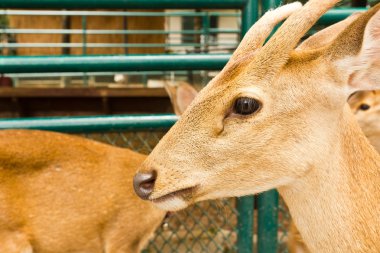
(64, 194)
(276, 117)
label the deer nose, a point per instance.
(143, 183)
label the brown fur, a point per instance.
(304, 140)
(369, 123)
(62, 193)
(367, 119)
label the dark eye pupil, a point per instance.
(364, 107)
(246, 106)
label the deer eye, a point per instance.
(246, 105)
(364, 107)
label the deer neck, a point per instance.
(336, 204)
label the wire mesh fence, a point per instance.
(283, 226)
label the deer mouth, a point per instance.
(185, 194)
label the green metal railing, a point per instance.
(249, 10)
(33, 64)
(207, 39)
(171, 43)
(124, 4)
(92, 124)
(124, 63)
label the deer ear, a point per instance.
(181, 96)
(327, 35)
(364, 68)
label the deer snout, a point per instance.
(143, 183)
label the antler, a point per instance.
(327, 35)
(276, 52)
(258, 33)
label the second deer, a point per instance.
(63, 194)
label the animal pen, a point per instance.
(244, 225)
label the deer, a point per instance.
(366, 106)
(277, 117)
(63, 193)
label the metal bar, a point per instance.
(93, 124)
(206, 32)
(330, 17)
(270, 4)
(214, 30)
(114, 13)
(124, 63)
(123, 4)
(245, 207)
(66, 25)
(79, 74)
(338, 14)
(249, 16)
(84, 35)
(84, 46)
(268, 222)
(100, 31)
(108, 45)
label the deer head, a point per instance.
(270, 115)
(366, 106)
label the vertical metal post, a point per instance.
(66, 38)
(270, 4)
(250, 14)
(206, 41)
(267, 222)
(245, 205)
(206, 31)
(84, 46)
(84, 35)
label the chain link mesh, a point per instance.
(283, 226)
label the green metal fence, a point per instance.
(245, 13)
(207, 38)
(172, 37)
